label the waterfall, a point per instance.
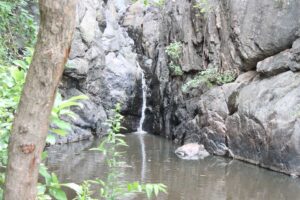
(144, 88)
(140, 130)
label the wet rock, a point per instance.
(191, 151)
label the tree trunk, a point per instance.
(31, 122)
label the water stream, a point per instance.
(144, 103)
(140, 130)
(214, 178)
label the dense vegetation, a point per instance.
(17, 29)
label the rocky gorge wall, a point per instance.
(255, 118)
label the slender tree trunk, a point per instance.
(31, 122)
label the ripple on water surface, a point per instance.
(214, 178)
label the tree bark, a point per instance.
(31, 122)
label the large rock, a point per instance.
(265, 128)
(284, 61)
(263, 28)
(191, 151)
(102, 65)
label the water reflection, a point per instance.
(151, 159)
(143, 154)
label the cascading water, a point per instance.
(140, 130)
(144, 105)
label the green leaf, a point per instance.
(55, 179)
(44, 172)
(77, 188)
(68, 104)
(60, 132)
(58, 193)
(68, 113)
(21, 64)
(58, 100)
(44, 155)
(79, 97)
(61, 124)
(50, 139)
(156, 189)
(149, 190)
(18, 75)
(41, 189)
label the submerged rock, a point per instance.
(191, 151)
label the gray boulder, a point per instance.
(284, 61)
(191, 151)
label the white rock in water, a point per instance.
(191, 151)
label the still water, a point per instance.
(151, 159)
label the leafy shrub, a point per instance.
(62, 108)
(17, 29)
(176, 69)
(174, 51)
(11, 83)
(209, 77)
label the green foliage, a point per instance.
(17, 29)
(203, 6)
(83, 192)
(176, 69)
(209, 77)
(112, 188)
(11, 83)
(62, 108)
(51, 188)
(12, 80)
(149, 189)
(174, 51)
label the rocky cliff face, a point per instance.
(102, 65)
(255, 118)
